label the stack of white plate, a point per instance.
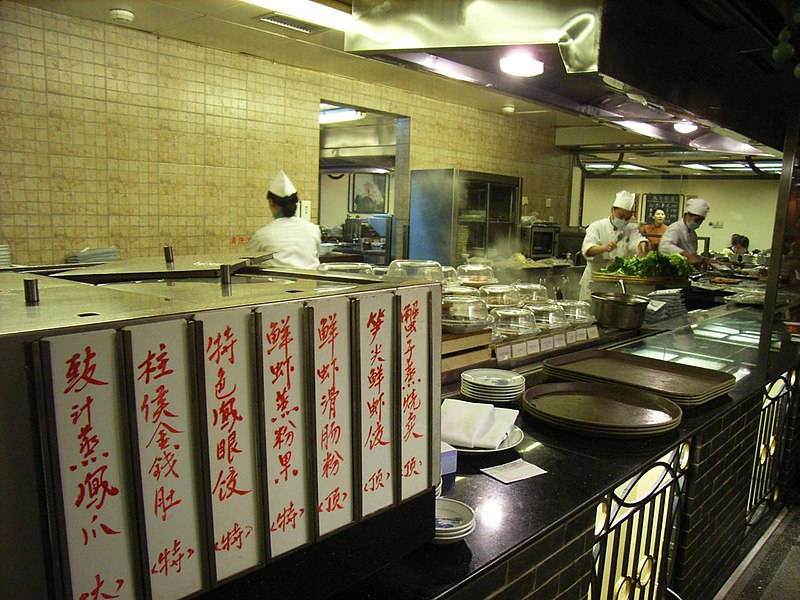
(5, 255)
(439, 488)
(492, 385)
(454, 521)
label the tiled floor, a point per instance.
(774, 572)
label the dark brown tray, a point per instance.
(657, 376)
(602, 407)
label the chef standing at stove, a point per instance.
(293, 241)
(611, 237)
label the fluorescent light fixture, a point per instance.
(310, 12)
(685, 127)
(641, 128)
(622, 167)
(521, 64)
(445, 67)
(339, 115)
(697, 167)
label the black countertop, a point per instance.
(579, 470)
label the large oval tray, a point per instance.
(614, 277)
(602, 409)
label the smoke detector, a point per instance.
(507, 109)
(121, 16)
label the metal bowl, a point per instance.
(619, 311)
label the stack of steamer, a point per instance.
(464, 351)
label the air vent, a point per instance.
(282, 20)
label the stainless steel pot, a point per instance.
(620, 311)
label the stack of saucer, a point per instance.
(492, 385)
(454, 521)
(5, 255)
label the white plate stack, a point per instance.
(454, 521)
(492, 385)
(5, 255)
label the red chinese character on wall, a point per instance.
(333, 501)
(99, 592)
(82, 371)
(233, 538)
(170, 560)
(375, 323)
(279, 337)
(221, 346)
(225, 486)
(154, 366)
(376, 481)
(287, 518)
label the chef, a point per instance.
(610, 238)
(292, 241)
(680, 237)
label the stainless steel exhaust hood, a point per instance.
(612, 61)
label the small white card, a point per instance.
(571, 336)
(514, 471)
(519, 350)
(580, 335)
(592, 332)
(547, 343)
(559, 340)
(502, 353)
(533, 346)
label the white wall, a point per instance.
(744, 206)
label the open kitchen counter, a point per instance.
(538, 536)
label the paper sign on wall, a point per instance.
(333, 429)
(88, 416)
(166, 441)
(285, 397)
(231, 419)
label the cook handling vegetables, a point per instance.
(610, 238)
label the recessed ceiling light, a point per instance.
(521, 64)
(340, 115)
(121, 15)
(685, 127)
(697, 167)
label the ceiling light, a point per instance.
(339, 115)
(310, 12)
(697, 167)
(121, 15)
(521, 64)
(685, 127)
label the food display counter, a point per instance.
(175, 435)
(700, 490)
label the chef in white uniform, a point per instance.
(680, 237)
(610, 238)
(293, 241)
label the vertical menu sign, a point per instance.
(87, 411)
(288, 474)
(166, 440)
(376, 342)
(333, 430)
(415, 398)
(231, 419)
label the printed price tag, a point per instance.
(547, 343)
(580, 335)
(533, 346)
(571, 336)
(519, 350)
(592, 332)
(559, 340)
(502, 353)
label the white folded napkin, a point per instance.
(465, 422)
(503, 422)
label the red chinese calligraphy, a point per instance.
(164, 501)
(80, 373)
(287, 518)
(221, 346)
(375, 322)
(95, 489)
(170, 560)
(411, 402)
(234, 538)
(154, 366)
(376, 481)
(99, 592)
(225, 485)
(333, 501)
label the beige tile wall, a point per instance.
(110, 136)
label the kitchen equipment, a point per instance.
(619, 311)
(539, 240)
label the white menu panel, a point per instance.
(378, 401)
(231, 419)
(333, 428)
(285, 397)
(415, 398)
(167, 437)
(89, 420)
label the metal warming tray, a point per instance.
(683, 384)
(600, 409)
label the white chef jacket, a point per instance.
(678, 238)
(293, 241)
(600, 233)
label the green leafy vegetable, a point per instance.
(654, 264)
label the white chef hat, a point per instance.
(697, 206)
(281, 185)
(624, 200)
